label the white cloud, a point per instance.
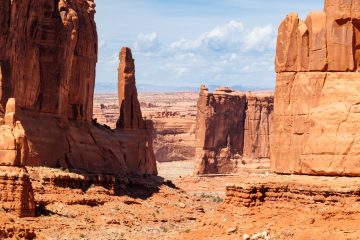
(147, 42)
(260, 39)
(232, 37)
(218, 39)
(227, 54)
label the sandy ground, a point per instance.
(176, 169)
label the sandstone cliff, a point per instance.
(48, 54)
(232, 128)
(316, 111)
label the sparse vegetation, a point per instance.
(215, 199)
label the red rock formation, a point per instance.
(16, 192)
(316, 110)
(47, 42)
(133, 129)
(130, 112)
(48, 65)
(231, 127)
(48, 54)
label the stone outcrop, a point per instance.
(16, 192)
(316, 99)
(48, 54)
(293, 190)
(232, 127)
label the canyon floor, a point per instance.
(188, 207)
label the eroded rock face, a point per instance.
(231, 127)
(47, 65)
(54, 42)
(16, 192)
(316, 110)
(257, 125)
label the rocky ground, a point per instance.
(186, 208)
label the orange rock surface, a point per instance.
(316, 110)
(232, 127)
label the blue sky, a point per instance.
(188, 42)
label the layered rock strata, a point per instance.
(316, 110)
(16, 193)
(48, 54)
(232, 128)
(293, 190)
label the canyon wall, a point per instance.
(48, 54)
(172, 113)
(316, 114)
(232, 129)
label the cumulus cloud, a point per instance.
(147, 42)
(218, 39)
(260, 39)
(231, 37)
(227, 54)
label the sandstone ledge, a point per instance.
(293, 189)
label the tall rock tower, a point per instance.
(130, 112)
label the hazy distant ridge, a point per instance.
(112, 88)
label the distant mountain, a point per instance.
(106, 88)
(165, 88)
(112, 88)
